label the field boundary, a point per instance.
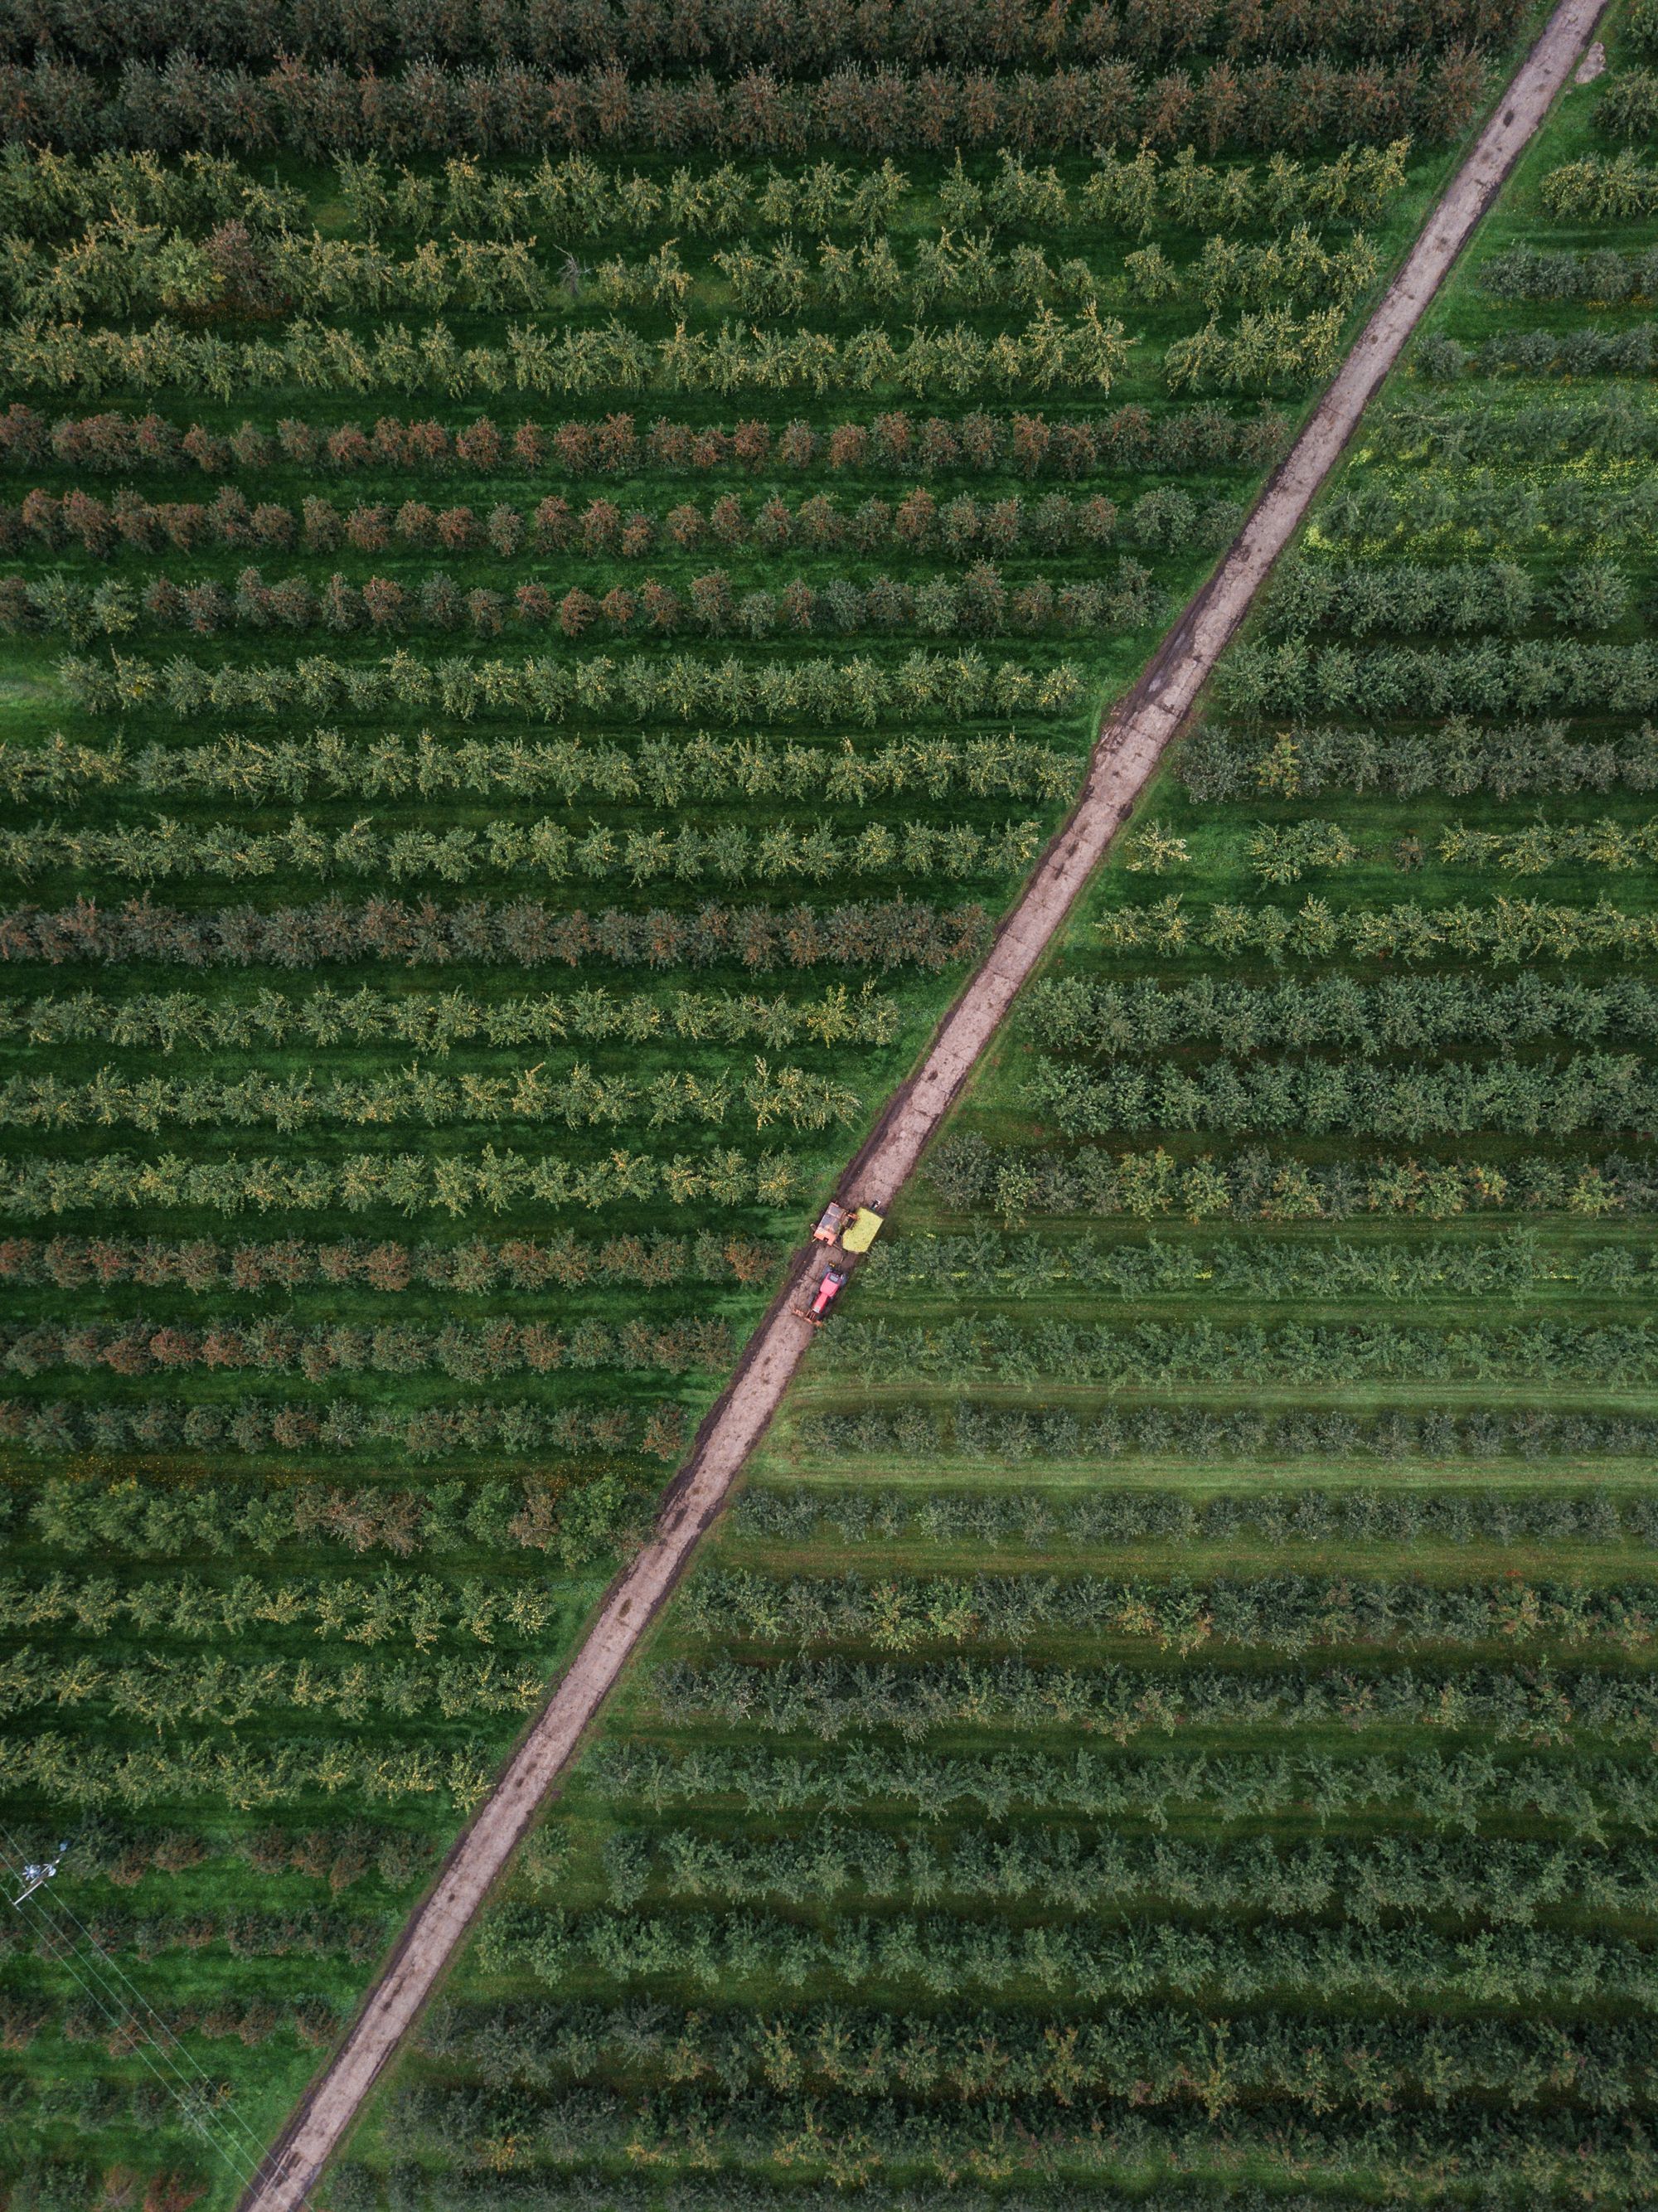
(1131, 744)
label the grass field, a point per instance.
(1168, 1721)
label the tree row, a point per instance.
(726, 852)
(680, 686)
(826, 1699)
(1260, 1184)
(663, 771)
(591, 1521)
(1452, 1792)
(1406, 1013)
(1285, 1613)
(41, 1185)
(180, 102)
(708, 605)
(1606, 1093)
(1105, 1519)
(466, 1351)
(1460, 758)
(437, 1022)
(521, 932)
(1160, 520)
(1204, 437)
(1009, 1437)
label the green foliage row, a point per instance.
(577, 1097)
(439, 1021)
(1454, 1792)
(1255, 1184)
(580, 198)
(545, 851)
(302, 1931)
(1314, 596)
(657, 772)
(1398, 1014)
(1524, 1970)
(86, 1771)
(766, 98)
(831, 1698)
(641, 689)
(1460, 758)
(1520, 676)
(1568, 350)
(166, 1695)
(1512, 1265)
(1602, 275)
(391, 1608)
(1287, 1613)
(1096, 2159)
(588, 1524)
(114, 268)
(125, 1854)
(1615, 423)
(1610, 188)
(1281, 853)
(1007, 1437)
(1507, 932)
(1371, 1881)
(50, 194)
(455, 1183)
(1266, 349)
(1606, 1092)
(995, 1520)
(1077, 353)
(1495, 512)
(1201, 1353)
(1165, 2054)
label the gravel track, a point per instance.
(1131, 742)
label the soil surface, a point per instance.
(1131, 741)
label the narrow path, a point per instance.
(1130, 745)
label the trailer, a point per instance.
(861, 1230)
(854, 1228)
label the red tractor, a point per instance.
(829, 1286)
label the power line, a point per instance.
(116, 1996)
(198, 2115)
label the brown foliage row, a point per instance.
(517, 933)
(918, 523)
(1023, 445)
(787, 35)
(472, 1353)
(207, 1264)
(327, 113)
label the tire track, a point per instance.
(1131, 744)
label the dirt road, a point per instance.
(1129, 748)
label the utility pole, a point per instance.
(37, 1875)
